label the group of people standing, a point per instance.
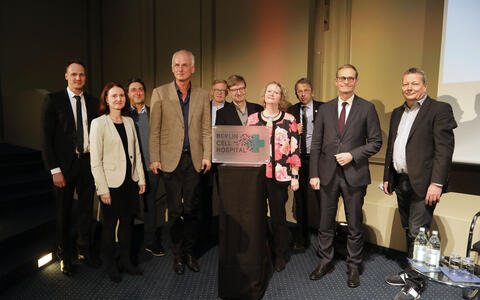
(320, 150)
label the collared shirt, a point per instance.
(73, 103)
(142, 111)
(185, 105)
(400, 145)
(309, 126)
(242, 115)
(214, 111)
(347, 107)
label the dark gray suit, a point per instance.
(361, 137)
(429, 153)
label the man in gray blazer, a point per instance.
(346, 133)
(419, 155)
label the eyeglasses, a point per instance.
(348, 79)
(307, 91)
(219, 91)
(241, 90)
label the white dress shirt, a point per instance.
(347, 107)
(404, 127)
(309, 125)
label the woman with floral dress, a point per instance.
(282, 170)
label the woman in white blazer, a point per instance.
(118, 172)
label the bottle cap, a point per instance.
(422, 229)
(435, 232)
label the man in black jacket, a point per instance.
(304, 113)
(67, 115)
(237, 114)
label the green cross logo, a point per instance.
(255, 143)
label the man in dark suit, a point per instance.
(237, 113)
(346, 133)
(419, 154)
(304, 113)
(141, 116)
(66, 117)
(181, 149)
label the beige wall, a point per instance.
(388, 37)
(262, 41)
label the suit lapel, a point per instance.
(420, 116)
(396, 117)
(69, 112)
(192, 106)
(334, 114)
(233, 110)
(128, 130)
(352, 115)
(175, 102)
(316, 105)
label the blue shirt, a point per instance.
(185, 105)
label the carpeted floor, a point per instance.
(159, 281)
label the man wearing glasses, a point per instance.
(346, 133)
(237, 113)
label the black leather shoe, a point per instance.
(66, 268)
(178, 265)
(353, 280)
(128, 268)
(280, 264)
(192, 263)
(114, 273)
(321, 271)
(298, 246)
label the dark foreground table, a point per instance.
(244, 262)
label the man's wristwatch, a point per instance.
(294, 176)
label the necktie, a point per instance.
(341, 120)
(79, 139)
(303, 137)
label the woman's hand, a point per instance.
(294, 184)
(141, 189)
(106, 198)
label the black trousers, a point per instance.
(414, 213)
(183, 183)
(79, 178)
(108, 235)
(150, 208)
(277, 194)
(303, 196)
(353, 202)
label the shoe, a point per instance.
(156, 249)
(130, 269)
(401, 278)
(192, 263)
(114, 273)
(298, 246)
(410, 291)
(86, 257)
(178, 265)
(320, 271)
(353, 280)
(66, 268)
(280, 264)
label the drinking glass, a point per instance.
(455, 262)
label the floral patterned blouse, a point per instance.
(284, 143)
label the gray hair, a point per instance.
(192, 58)
(416, 71)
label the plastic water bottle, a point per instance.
(420, 248)
(433, 246)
